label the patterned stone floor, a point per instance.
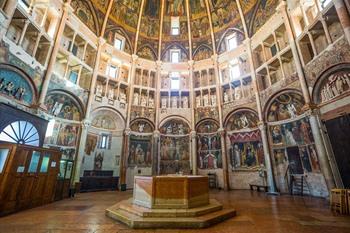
(257, 213)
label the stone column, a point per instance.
(50, 67)
(282, 7)
(156, 152)
(267, 156)
(124, 159)
(85, 125)
(321, 150)
(193, 136)
(344, 18)
(9, 10)
(226, 177)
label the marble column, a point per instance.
(193, 140)
(321, 150)
(85, 125)
(156, 153)
(124, 159)
(267, 156)
(344, 18)
(67, 9)
(226, 178)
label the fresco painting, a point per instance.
(62, 106)
(285, 106)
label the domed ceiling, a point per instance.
(199, 21)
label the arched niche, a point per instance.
(146, 51)
(242, 119)
(140, 144)
(107, 119)
(285, 105)
(16, 84)
(209, 154)
(333, 84)
(222, 45)
(202, 52)
(244, 146)
(64, 105)
(174, 147)
(113, 31)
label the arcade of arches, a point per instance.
(243, 91)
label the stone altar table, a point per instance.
(170, 202)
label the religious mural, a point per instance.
(141, 126)
(98, 161)
(209, 146)
(15, 86)
(244, 140)
(63, 134)
(91, 143)
(246, 150)
(62, 106)
(285, 106)
(140, 151)
(265, 10)
(104, 122)
(295, 139)
(242, 120)
(86, 14)
(175, 147)
(333, 86)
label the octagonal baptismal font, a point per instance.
(170, 202)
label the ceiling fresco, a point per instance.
(222, 14)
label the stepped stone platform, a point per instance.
(170, 202)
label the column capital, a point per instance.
(101, 40)
(67, 7)
(134, 58)
(159, 64)
(127, 131)
(86, 123)
(193, 134)
(262, 126)
(156, 134)
(215, 57)
(222, 131)
(247, 41)
(190, 63)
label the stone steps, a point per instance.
(140, 217)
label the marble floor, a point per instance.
(257, 213)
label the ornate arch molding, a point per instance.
(92, 10)
(25, 76)
(75, 100)
(175, 44)
(227, 118)
(149, 46)
(176, 117)
(274, 97)
(225, 34)
(252, 19)
(122, 32)
(116, 116)
(337, 76)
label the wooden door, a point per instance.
(11, 185)
(29, 180)
(339, 135)
(50, 185)
(40, 180)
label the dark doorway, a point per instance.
(339, 135)
(294, 161)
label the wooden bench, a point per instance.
(258, 187)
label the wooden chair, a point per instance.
(339, 201)
(348, 199)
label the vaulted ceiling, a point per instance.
(203, 23)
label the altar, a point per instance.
(170, 202)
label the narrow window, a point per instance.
(175, 26)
